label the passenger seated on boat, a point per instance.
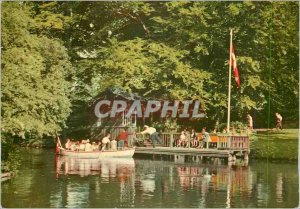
(95, 146)
(77, 145)
(73, 146)
(113, 144)
(82, 145)
(68, 144)
(88, 146)
(105, 142)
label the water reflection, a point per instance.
(109, 170)
(148, 184)
(139, 183)
(279, 187)
(214, 185)
(119, 168)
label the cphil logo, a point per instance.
(181, 109)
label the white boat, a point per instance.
(125, 153)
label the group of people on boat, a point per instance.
(83, 145)
(107, 143)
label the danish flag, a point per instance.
(235, 69)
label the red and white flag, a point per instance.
(235, 69)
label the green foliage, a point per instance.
(34, 77)
(127, 38)
(170, 124)
(150, 69)
(10, 158)
(163, 50)
(12, 163)
(251, 47)
(237, 125)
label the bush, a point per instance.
(169, 125)
(10, 157)
(235, 124)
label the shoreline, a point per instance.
(6, 176)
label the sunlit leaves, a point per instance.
(34, 71)
(151, 69)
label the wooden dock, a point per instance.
(183, 151)
(221, 146)
(182, 155)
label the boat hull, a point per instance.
(126, 153)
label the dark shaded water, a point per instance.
(46, 181)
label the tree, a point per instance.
(34, 83)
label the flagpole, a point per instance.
(229, 83)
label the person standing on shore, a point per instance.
(88, 146)
(278, 121)
(250, 122)
(153, 134)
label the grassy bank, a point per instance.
(272, 144)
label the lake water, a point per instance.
(48, 181)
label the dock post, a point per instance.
(217, 161)
(195, 159)
(179, 158)
(229, 141)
